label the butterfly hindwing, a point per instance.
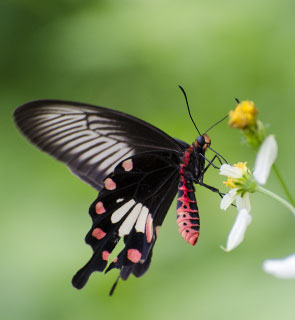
(132, 205)
(90, 140)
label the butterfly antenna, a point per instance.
(114, 286)
(215, 124)
(238, 101)
(218, 154)
(189, 112)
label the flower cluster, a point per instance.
(244, 117)
(242, 182)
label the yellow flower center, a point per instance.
(243, 116)
(230, 183)
(236, 182)
(242, 166)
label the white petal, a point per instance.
(230, 171)
(243, 202)
(281, 268)
(237, 232)
(228, 199)
(265, 158)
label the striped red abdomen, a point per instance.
(188, 219)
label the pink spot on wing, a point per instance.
(133, 255)
(98, 233)
(109, 184)
(115, 260)
(99, 208)
(127, 165)
(105, 255)
(149, 228)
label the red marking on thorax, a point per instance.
(186, 158)
(187, 155)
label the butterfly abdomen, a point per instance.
(188, 219)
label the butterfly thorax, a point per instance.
(193, 161)
(191, 167)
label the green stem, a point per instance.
(278, 198)
(288, 194)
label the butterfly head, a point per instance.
(203, 141)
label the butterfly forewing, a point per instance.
(132, 205)
(90, 140)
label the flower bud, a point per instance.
(243, 116)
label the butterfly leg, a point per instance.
(211, 162)
(208, 165)
(214, 190)
(201, 183)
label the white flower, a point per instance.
(281, 268)
(265, 158)
(242, 182)
(237, 232)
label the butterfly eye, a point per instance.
(201, 140)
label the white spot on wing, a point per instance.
(120, 213)
(120, 200)
(140, 224)
(130, 220)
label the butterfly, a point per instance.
(137, 169)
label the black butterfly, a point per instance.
(137, 168)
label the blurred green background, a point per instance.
(131, 55)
